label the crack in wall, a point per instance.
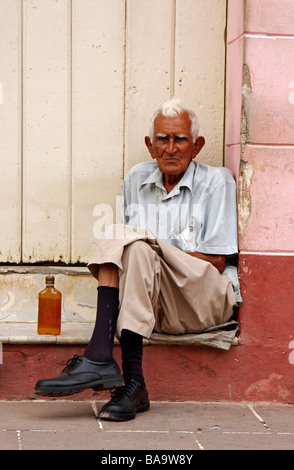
(244, 205)
(246, 168)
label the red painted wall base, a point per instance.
(261, 368)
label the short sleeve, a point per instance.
(219, 220)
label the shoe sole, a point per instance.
(110, 416)
(98, 385)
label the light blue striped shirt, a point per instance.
(199, 214)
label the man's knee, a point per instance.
(139, 248)
(139, 254)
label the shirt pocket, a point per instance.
(185, 239)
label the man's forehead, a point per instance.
(180, 124)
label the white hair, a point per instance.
(174, 108)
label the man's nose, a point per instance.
(171, 146)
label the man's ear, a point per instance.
(148, 144)
(198, 146)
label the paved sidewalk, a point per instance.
(189, 426)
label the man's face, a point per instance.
(172, 145)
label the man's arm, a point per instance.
(218, 261)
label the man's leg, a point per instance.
(100, 347)
(139, 283)
(96, 368)
(132, 356)
(127, 401)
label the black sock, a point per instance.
(100, 347)
(132, 355)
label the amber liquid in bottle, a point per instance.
(49, 309)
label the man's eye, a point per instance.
(162, 138)
(180, 139)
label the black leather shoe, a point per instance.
(79, 374)
(126, 402)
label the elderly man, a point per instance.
(166, 268)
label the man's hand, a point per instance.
(218, 261)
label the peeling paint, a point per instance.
(244, 127)
(246, 91)
(8, 301)
(265, 387)
(244, 205)
(246, 81)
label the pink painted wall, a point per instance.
(269, 108)
(261, 51)
(260, 152)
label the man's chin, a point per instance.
(172, 169)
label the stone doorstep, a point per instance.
(45, 270)
(26, 333)
(79, 333)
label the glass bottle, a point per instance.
(49, 309)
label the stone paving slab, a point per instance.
(189, 426)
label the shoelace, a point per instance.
(127, 390)
(72, 362)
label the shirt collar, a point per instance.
(186, 180)
(155, 177)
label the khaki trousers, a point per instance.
(161, 288)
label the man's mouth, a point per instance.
(171, 160)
